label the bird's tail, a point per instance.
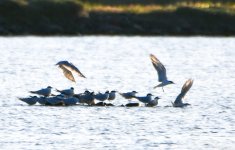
(81, 75)
(20, 98)
(58, 90)
(33, 92)
(119, 93)
(53, 95)
(157, 86)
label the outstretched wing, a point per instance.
(70, 67)
(161, 70)
(68, 74)
(187, 85)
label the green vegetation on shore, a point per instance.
(126, 17)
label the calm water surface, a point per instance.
(123, 64)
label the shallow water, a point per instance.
(123, 64)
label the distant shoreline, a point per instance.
(70, 19)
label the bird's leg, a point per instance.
(162, 89)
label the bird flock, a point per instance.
(67, 97)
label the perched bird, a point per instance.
(161, 70)
(44, 92)
(145, 99)
(67, 92)
(102, 97)
(67, 68)
(128, 95)
(54, 101)
(153, 102)
(112, 95)
(30, 100)
(42, 100)
(70, 101)
(86, 97)
(178, 102)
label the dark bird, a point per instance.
(30, 100)
(54, 101)
(86, 97)
(70, 101)
(145, 99)
(153, 102)
(102, 97)
(112, 95)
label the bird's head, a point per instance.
(49, 87)
(149, 94)
(113, 91)
(107, 92)
(157, 98)
(72, 88)
(86, 92)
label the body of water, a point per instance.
(122, 64)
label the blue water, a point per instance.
(123, 64)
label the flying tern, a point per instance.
(67, 68)
(178, 102)
(161, 70)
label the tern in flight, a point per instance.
(178, 101)
(161, 70)
(67, 68)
